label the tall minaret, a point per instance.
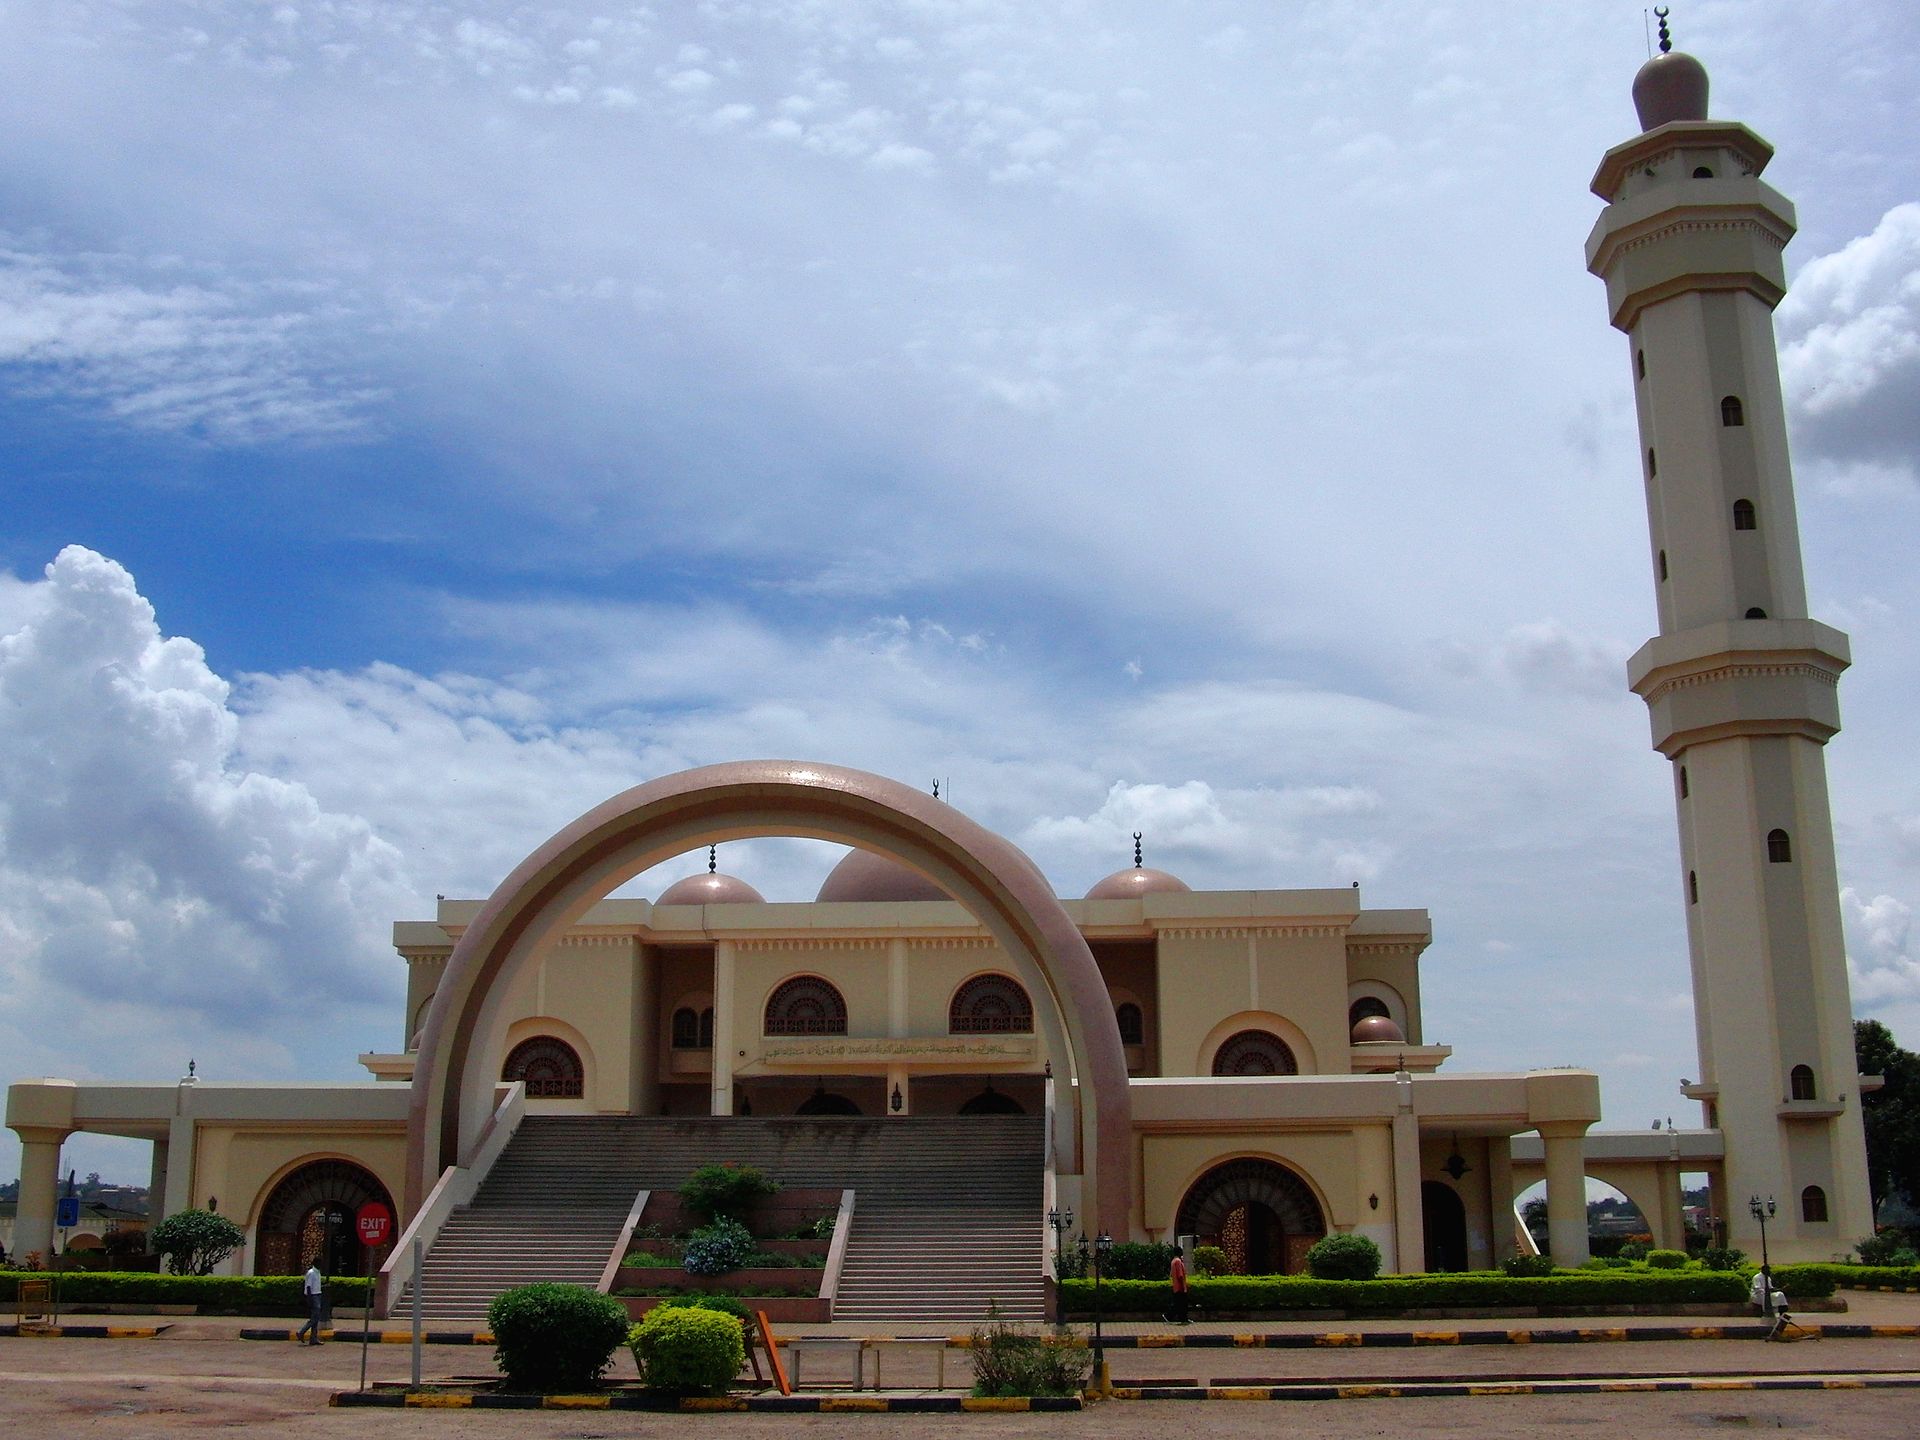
(1740, 682)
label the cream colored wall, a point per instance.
(239, 1165)
(858, 969)
(580, 990)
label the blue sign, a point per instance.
(66, 1212)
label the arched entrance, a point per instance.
(1445, 1216)
(827, 1102)
(1261, 1213)
(1002, 888)
(992, 1102)
(310, 1212)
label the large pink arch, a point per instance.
(991, 877)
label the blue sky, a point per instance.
(1195, 420)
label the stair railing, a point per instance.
(614, 1260)
(837, 1251)
(456, 1186)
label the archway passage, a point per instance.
(310, 1212)
(1005, 892)
(1261, 1213)
(827, 1102)
(1445, 1216)
(992, 1102)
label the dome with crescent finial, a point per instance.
(865, 877)
(1138, 879)
(712, 888)
(1671, 86)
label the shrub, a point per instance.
(1522, 1264)
(1209, 1260)
(1344, 1257)
(715, 1192)
(720, 1304)
(211, 1294)
(691, 1350)
(554, 1337)
(718, 1249)
(1722, 1257)
(1397, 1293)
(194, 1241)
(1133, 1260)
(1633, 1250)
(1010, 1360)
(1666, 1259)
(123, 1244)
(1886, 1247)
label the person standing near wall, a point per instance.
(314, 1291)
(1177, 1279)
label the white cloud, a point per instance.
(1880, 956)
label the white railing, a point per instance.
(456, 1186)
(614, 1260)
(837, 1251)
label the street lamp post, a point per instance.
(1060, 1221)
(1763, 1211)
(1102, 1243)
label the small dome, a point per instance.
(1138, 880)
(712, 888)
(1376, 1030)
(1670, 87)
(864, 877)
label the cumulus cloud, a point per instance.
(1850, 361)
(1880, 953)
(156, 894)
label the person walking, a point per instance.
(1177, 1278)
(314, 1291)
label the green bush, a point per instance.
(1521, 1264)
(1133, 1260)
(1887, 1247)
(1209, 1260)
(718, 1249)
(706, 1300)
(1722, 1257)
(1392, 1294)
(1344, 1257)
(1666, 1259)
(1633, 1250)
(194, 1241)
(554, 1337)
(690, 1350)
(715, 1192)
(1011, 1360)
(213, 1294)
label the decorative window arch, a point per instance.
(1813, 1205)
(806, 1005)
(1254, 1052)
(1756, 613)
(1744, 517)
(1684, 791)
(549, 1066)
(1693, 887)
(1366, 1007)
(1132, 1022)
(1663, 565)
(1779, 848)
(1732, 413)
(1640, 364)
(1800, 1083)
(1653, 463)
(686, 1028)
(1703, 172)
(990, 1004)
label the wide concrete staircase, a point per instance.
(947, 1219)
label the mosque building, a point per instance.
(964, 1054)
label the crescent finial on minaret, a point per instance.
(1136, 849)
(1660, 13)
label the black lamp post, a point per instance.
(1060, 1221)
(1102, 1243)
(1763, 1211)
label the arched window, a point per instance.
(1693, 888)
(1133, 1025)
(686, 1029)
(1640, 364)
(1731, 411)
(550, 1067)
(806, 1005)
(1254, 1052)
(1653, 463)
(1365, 1006)
(1756, 613)
(1703, 172)
(706, 1028)
(1813, 1205)
(1743, 518)
(990, 1005)
(1800, 1083)
(1663, 565)
(1779, 848)
(1683, 782)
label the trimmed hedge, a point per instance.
(214, 1294)
(1817, 1281)
(555, 1337)
(1415, 1292)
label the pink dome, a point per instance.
(1670, 86)
(1138, 880)
(710, 889)
(865, 877)
(1377, 1029)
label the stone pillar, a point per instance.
(157, 1181)
(1502, 1228)
(1566, 1155)
(643, 1047)
(39, 1186)
(1409, 1216)
(723, 1047)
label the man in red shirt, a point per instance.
(1177, 1278)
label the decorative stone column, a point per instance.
(39, 1184)
(722, 1077)
(1409, 1216)
(1566, 1156)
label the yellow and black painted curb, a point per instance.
(81, 1332)
(1441, 1389)
(723, 1404)
(378, 1337)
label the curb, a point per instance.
(81, 1332)
(1434, 1390)
(726, 1404)
(380, 1337)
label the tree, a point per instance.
(194, 1241)
(1891, 1114)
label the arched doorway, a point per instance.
(1445, 1217)
(992, 1102)
(310, 1212)
(1261, 1213)
(827, 1102)
(998, 885)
